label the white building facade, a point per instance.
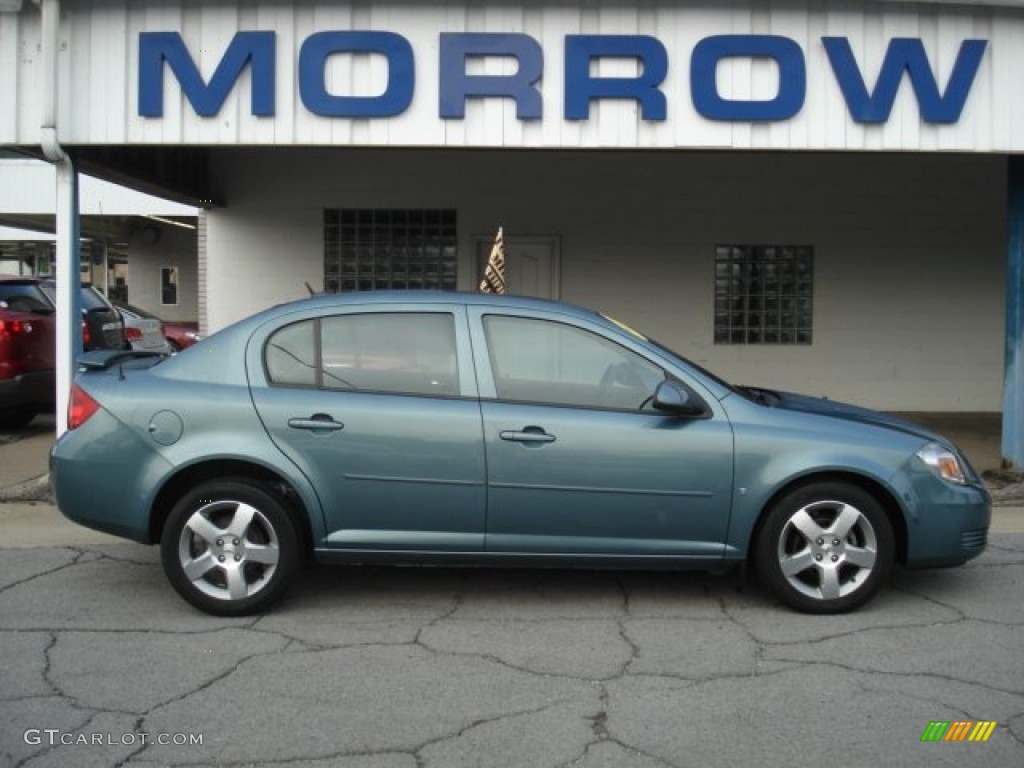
(808, 196)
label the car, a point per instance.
(456, 428)
(28, 343)
(102, 326)
(181, 335)
(27, 350)
(143, 330)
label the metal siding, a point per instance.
(99, 64)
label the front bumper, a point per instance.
(947, 525)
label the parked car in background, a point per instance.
(102, 326)
(181, 335)
(27, 348)
(143, 330)
(28, 343)
(421, 427)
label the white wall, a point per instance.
(176, 247)
(909, 249)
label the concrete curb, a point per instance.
(36, 489)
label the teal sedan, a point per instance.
(447, 428)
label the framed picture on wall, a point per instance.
(169, 286)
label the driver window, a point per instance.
(540, 361)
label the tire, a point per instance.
(230, 548)
(175, 349)
(16, 419)
(825, 548)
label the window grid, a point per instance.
(764, 294)
(368, 249)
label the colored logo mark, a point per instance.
(959, 730)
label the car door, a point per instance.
(577, 460)
(377, 406)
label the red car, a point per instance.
(181, 335)
(28, 343)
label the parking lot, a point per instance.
(100, 662)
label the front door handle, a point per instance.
(527, 435)
(318, 422)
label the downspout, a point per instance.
(69, 328)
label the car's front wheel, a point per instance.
(229, 547)
(825, 548)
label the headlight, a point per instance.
(193, 335)
(944, 463)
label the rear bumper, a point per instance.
(36, 390)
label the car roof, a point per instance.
(17, 278)
(386, 297)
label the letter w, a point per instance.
(904, 54)
(257, 48)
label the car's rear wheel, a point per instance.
(229, 547)
(825, 548)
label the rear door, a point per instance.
(377, 406)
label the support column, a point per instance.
(1013, 382)
(68, 272)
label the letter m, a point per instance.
(935, 731)
(904, 55)
(255, 48)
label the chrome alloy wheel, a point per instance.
(228, 550)
(827, 550)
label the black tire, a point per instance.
(175, 349)
(825, 548)
(16, 418)
(230, 548)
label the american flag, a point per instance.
(494, 272)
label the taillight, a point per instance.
(86, 336)
(132, 334)
(14, 327)
(81, 408)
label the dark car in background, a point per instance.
(102, 326)
(28, 342)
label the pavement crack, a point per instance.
(79, 554)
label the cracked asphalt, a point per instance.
(399, 668)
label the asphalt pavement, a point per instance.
(101, 664)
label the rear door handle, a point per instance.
(318, 422)
(527, 435)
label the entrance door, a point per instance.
(532, 265)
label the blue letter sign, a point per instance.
(457, 85)
(320, 46)
(255, 48)
(581, 88)
(704, 77)
(904, 54)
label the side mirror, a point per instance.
(677, 400)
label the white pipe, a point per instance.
(69, 331)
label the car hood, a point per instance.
(791, 401)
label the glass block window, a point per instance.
(369, 250)
(764, 294)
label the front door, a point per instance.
(577, 461)
(378, 409)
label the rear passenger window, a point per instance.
(291, 355)
(405, 353)
(411, 353)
